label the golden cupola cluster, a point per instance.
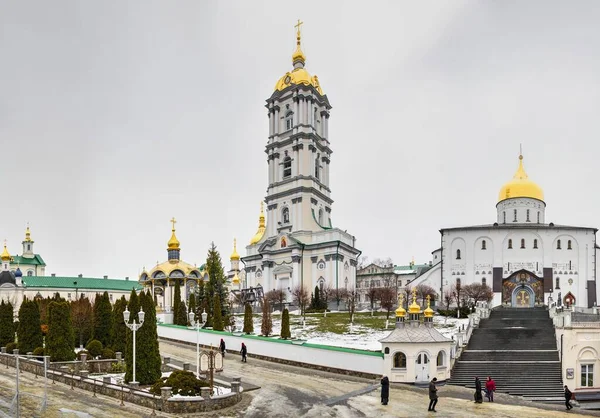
(521, 186)
(5, 256)
(414, 307)
(298, 75)
(261, 227)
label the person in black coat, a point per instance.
(478, 395)
(568, 396)
(243, 352)
(385, 390)
(433, 397)
(222, 347)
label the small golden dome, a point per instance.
(27, 235)
(521, 186)
(236, 279)
(400, 312)
(414, 308)
(261, 227)
(234, 254)
(173, 243)
(428, 313)
(5, 256)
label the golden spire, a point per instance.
(234, 254)
(428, 311)
(298, 55)
(414, 308)
(27, 234)
(400, 312)
(5, 256)
(261, 227)
(173, 243)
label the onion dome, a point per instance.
(400, 312)
(428, 313)
(234, 255)
(173, 243)
(521, 186)
(236, 279)
(27, 235)
(414, 307)
(261, 227)
(18, 272)
(7, 277)
(5, 256)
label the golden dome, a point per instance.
(173, 243)
(521, 186)
(5, 256)
(414, 308)
(236, 279)
(261, 227)
(27, 235)
(234, 254)
(400, 312)
(428, 312)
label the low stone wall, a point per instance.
(125, 393)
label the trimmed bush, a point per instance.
(10, 347)
(107, 353)
(182, 382)
(39, 352)
(285, 324)
(95, 348)
(248, 324)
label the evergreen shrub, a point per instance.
(285, 324)
(107, 353)
(39, 352)
(182, 382)
(95, 348)
(10, 347)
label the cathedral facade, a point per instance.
(297, 243)
(526, 260)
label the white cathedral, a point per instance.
(298, 244)
(526, 261)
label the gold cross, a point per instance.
(173, 221)
(297, 26)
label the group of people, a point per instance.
(243, 351)
(490, 388)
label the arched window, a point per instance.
(538, 217)
(510, 244)
(504, 217)
(569, 245)
(283, 242)
(285, 215)
(287, 167)
(317, 167)
(527, 215)
(483, 281)
(386, 350)
(458, 254)
(483, 245)
(346, 283)
(400, 360)
(558, 283)
(522, 243)
(30, 273)
(441, 359)
(28, 247)
(289, 120)
(535, 243)
(458, 282)
(558, 244)
(321, 284)
(515, 215)
(321, 217)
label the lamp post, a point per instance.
(197, 325)
(134, 327)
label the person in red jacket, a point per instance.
(490, 387)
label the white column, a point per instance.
(276, 123)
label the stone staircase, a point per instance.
(517, 348)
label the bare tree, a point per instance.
(351, 295)
(383, 262)
(326, 294)
(477, 292)
(338, 295)
(387, 296)
(373, 295)
(301, 298)
(457, 294)
(449, 296)
(362, 262)
(423, 291)
(407, 296)
(276, 296)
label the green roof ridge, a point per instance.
(90, 283)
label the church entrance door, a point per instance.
(422, 367)
(523, 297)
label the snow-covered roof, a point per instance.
(420, 334)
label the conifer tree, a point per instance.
(192, 304)
(82, 320)
(148, 362)
(134, 308)
(119, 329)
(216, 284)
(248, 322)
(176, 303)
(285, 324)
(61, 337)
(181, 315)
(266, 327)
(217, 319)
(200, 297)
(103, 320)
(29, 332)
(7, 326)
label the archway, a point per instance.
(522, 289)
(523, 297)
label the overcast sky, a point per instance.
(116, 116)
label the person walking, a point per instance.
(385, 390)
(244, 352)
(222, 347)
(433, 397)
(490, 388)
(568, 396)
(478, 396)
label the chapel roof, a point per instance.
(420, 334)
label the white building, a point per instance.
(299, 245)
(524, 259)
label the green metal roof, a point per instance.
(36, 260)
(83, 283)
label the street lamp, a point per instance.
(134, 327)
(197, 325)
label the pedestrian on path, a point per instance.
(385, 390)
(568, 396)
(243, 352)
(222, 347)
(478, 396)
(490, 388)
(433, 397)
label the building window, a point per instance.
(317, 167)
(587, 375)
(68, 296)
(483, 245)
(441, 359)
(538, 217)
(527, 215)
(535, 243)
(504, 217)
(315, 117)
(514, 215)
(558, 244)
(287, 167)
(321, 284)
(285, 215)
(30, 273)
(569, 245)
(483, 281)
(82, 296)
(28, 247)
(400, 360)
(558, 283)
(458, 282)
(458, 254)
(522, 243)
(111, 297)
(321, 217)
(510, 244)
(289, 121)
(346, 283)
